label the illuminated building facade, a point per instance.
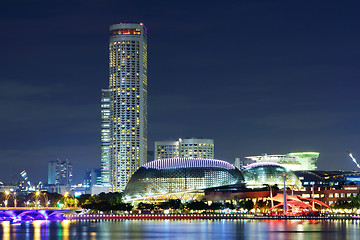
(128, 101)
(166, 149)
(185, 148)
(105, 137)
(294, 161)
(260, 174)
(176, 175)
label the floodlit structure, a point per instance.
(128, 102)
(185, 148)
(294, 161)
(260, 174)
(180, 176)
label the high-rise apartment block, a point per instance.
(128, 101)
(105, 137)
(60, 172)
(185, 148)
(166, 149)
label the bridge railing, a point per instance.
(39, 208)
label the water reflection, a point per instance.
(5, 230)
(181, 229)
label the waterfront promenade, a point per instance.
(205, 216)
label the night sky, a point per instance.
(256, 76)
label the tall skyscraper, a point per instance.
(128, 101)
(185, 148)
(60, 172)
(105, 137)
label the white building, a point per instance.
(294, 161)
(185, 148)
(166, 149)
(128, 101)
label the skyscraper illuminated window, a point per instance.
(105, 137)
(128, 101)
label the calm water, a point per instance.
(182, 229)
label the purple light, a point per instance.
(31, 215)
(187, 163)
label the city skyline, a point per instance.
(257, 77)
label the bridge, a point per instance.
(16, 214)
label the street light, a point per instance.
(15, 199)
(65, 198)
(37, 195)
(7, 196)
(285, 202)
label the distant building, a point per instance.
(294, 161)
(185, 148)
(53, 176)
(60, 172)
(166, 149)
(150, 156)
(105, 137)
(241, 163)
(92, 178)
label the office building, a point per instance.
(60, 172)
(92, 178)
(128, 101)
(241, 163)
(166, 149)
(185, 148)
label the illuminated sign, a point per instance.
(126, 31)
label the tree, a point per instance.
(197, 205)
(85, 199)
(237, 200)
(216, 206)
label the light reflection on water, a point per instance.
(182, 229)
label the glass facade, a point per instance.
(259, 174)
(181, 174)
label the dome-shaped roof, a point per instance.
(181, 174)
(269, 173)
(187, 163)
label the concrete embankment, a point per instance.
(205, 216)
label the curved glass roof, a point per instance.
(187, 162)
(268, 173)
(181, 174)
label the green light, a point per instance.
(304, 154)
